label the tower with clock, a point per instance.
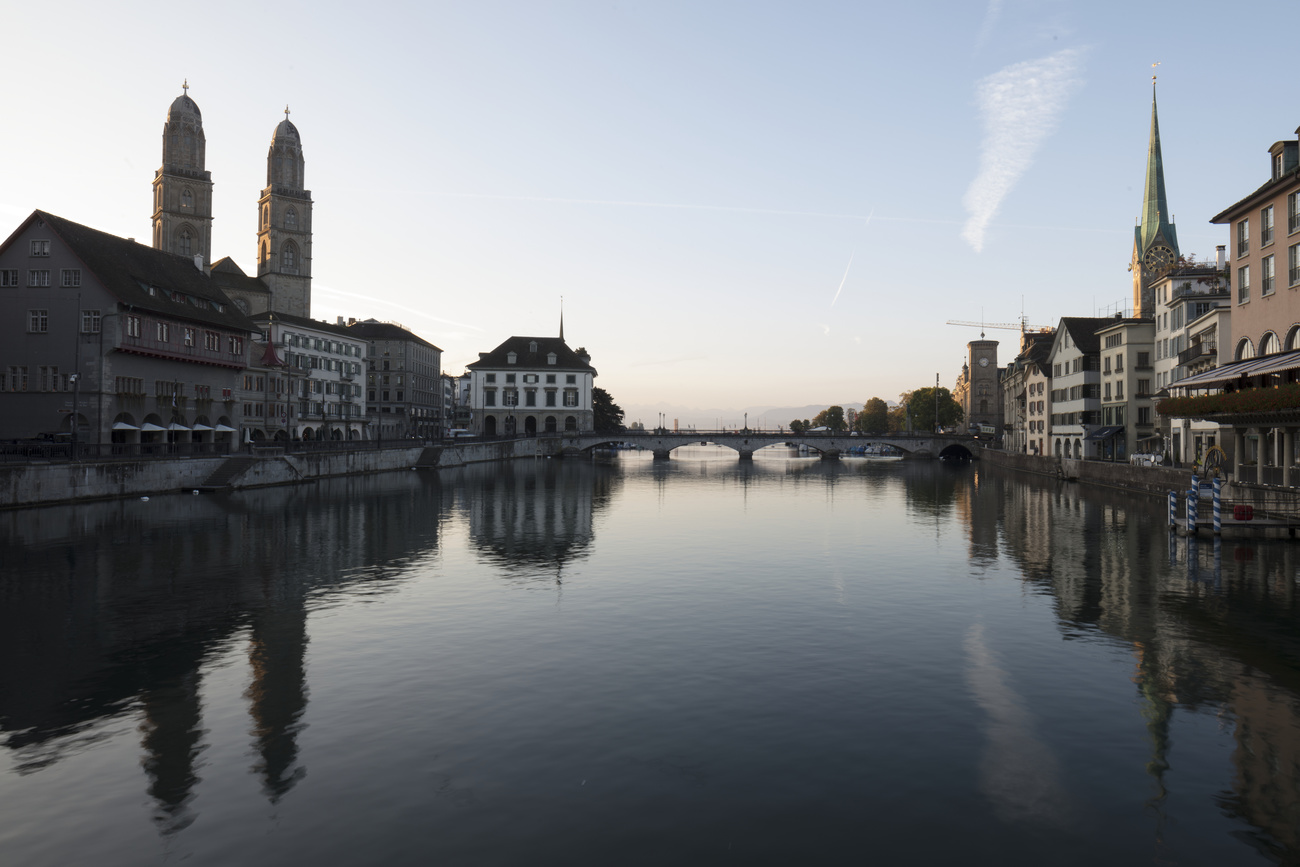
(1155, 239)
(978, 388)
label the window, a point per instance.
(1119, 390)
(1266, 226)
(570, 379)
(570, 397)
(1293, 212)
(550, 397)
(164, 332)
(18, 378)
(510, 397)
(289, 258)
(510, 378)
(1144, 360)
(236, 346)
(490, 397)
(532, 346)
(550, 358)
(550, 379)
(70, 278)
(90, 322)
(1106, 366)
(133, 326)
(530, 397)
(40, 248)
(1144, 415)
(1243, 284)
(38, 321)
(291, 219)
(1105, 393)
(1243, 238)
(1293, 264)
(1266, 276)
(39, 277)
(188, 337)
(1144, 388)
(187, 200)
(212, 341)
(185, 243)
(8, 277)
(49, 378)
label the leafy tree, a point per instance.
(921, 403)
(607, 416)
(832, 417)
(898, 418)
(797, 426)
(874, 417)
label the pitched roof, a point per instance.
(373, 329)
(1285, 179)
(1083, 331)
(1155, 208)
(226, 274)
(127, 270)
(565, 358)
(304, 322)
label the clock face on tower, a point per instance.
(983, 362)
(1158, 258)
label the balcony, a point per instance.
(1197, 352)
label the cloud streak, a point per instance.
(1020, 107)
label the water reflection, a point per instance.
(114, 608)
(1216, 633)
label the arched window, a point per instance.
(266, 216)
(1245, 349)
(1293, 338)
(289, 258)
(291, 219)
(1269, 344)
(185, 243)
(187, 200)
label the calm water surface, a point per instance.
(636, 662)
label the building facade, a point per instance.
(1075, 401)
(1127, 410)
(404, 389)
(531, 385)
(978, 389)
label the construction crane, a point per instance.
(1022, 326)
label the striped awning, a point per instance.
(1276, 363)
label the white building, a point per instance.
(1075, 362)
(531, 385)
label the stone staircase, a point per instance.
(231, 468)
(429, 458)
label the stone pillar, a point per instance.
(831, 455)
(746, 454)
(662, 454)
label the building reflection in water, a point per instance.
(1212, 627)
(112, 609)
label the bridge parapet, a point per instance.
(745, 443)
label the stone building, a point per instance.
(1075, 401)
(531, 385)
(1155, 240)
(404, 389)
(977, 389)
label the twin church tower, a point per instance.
(182, 214)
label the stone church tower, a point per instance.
(284, 224)
(1155, 240)
(182, 188)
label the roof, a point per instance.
(226, 274)
(304, 322)
(286, 130)
(565, 358)
(373, 329)
(1083, 331)
(1155, 208)
(127, 270)
(183, 105)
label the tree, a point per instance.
(831, 417)
(921, 404)
(607, 416)
(797, 426)
(874, 417)
(898, 418)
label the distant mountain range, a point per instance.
(712, 419)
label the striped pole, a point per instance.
(1173, 510)
(1196, 485)
(1218, 505)
(1191, 512)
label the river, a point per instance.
(628, 661)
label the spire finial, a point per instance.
(185, 86)
(561, 317)
(1153, 75)
(286, 111)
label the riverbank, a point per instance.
(1157, 481)
(42, 484)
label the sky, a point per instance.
(740, 203)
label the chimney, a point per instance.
(1219, 255)
(198, 262)
(132, 240)
(339, 320)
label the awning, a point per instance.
(121, 425)
(1275, 363)
(150, 426)
(1105, 433)
(221, 428)
(176, 426)
(201, 426)
(1150, 437)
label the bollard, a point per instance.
(1218, 508)
(1191, 512)
(1173, 510)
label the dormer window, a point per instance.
(550, 358)
(512, 358)
(532, 347)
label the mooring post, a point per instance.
(1173, 510)
(1218, 511)
(1192, 500)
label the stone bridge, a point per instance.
(828, 445)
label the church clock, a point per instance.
(1158, 258)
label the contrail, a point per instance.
(850, 265)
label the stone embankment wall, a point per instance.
(49, 483)
(1158, 481)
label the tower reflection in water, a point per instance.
(112, 610)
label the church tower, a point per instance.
(1155, 240)
(284, 224)
(182, 189)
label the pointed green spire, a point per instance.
(1155, 211)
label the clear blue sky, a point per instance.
(741, 203)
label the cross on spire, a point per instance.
(286, 111)
(186, 87)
